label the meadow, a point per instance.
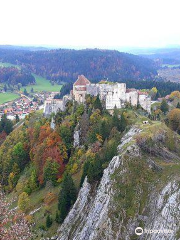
(42, 84)
(6, 97)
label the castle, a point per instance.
(112, 94)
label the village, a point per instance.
(24, 105)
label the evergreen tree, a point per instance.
(50, 171)
(25, 92)
(48, 221)
(67, 196)
(57, 217)
(33, 180)
(5, 88)
(6, 125)
(122, 123)
(85, 172)
(116, 120)
(178, 105)
(97, 104)
(17, 118)
(164, 106)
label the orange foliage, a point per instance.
(44, 145)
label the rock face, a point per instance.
(89, 218)
(97, 214)
(164, 213)
(76, 136)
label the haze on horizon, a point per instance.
(88, 24)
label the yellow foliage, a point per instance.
(90, 154)
(74, 168)
(29, 218)
(94, 118)
(99, 137)
(80, 153)
(23, 201)
(175, 94)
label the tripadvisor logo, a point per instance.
(138, 231)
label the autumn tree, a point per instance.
(23, 201)
(153, 92)
(174, 119)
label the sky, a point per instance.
(110, 24)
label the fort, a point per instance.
(111, 94)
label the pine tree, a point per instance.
(17, 118)
(116, 120)
(67, 196)
(178, 105)
(97, 104)
(48, 221)
(122, 123)
(85, 172)
(25, 92)
(164, 106)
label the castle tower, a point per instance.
(79, 88)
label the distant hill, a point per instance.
(165, 55)
(24, 48)
(64, 65)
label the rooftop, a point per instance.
(82, 80)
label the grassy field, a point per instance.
(42, 84)
(8, 65)
(6, 97)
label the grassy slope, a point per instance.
(139, 174)
(42, 84)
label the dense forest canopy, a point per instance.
(13, 76)
(64, 65)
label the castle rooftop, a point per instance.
(81, 81)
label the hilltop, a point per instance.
(64, 65)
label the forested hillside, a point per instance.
(65, 65)
(13, 76)
(167, 55)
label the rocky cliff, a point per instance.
(138, 189)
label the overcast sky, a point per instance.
(90, 23)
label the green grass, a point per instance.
(42, 84)
(6, 97)
(8, 65)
